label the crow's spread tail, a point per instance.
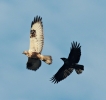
(79, 69)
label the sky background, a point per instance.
(64, 21)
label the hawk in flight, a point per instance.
(36, 46)
(70, 64)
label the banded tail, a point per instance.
(46, 58)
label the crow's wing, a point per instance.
(75, 53)
(36, 35)
(33, 63)
(62, 73)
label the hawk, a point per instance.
(36, 45)
(70, 64)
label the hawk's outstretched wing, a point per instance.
(75, 53)
(33, 63)
(36, 35)
(62, 73)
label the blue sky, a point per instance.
(75, 20)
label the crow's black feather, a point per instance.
(70, 64)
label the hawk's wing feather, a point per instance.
(62, 73)
(36, 35)
(33, 63)
(75, 53)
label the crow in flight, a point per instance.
(70, 64)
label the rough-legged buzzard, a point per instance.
(36, 46)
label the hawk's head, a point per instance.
(26, 53)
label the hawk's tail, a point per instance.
(47, 59)
(79, 69)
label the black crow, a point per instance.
(70, 64)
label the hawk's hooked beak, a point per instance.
(23, 53)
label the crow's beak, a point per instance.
(61, 58)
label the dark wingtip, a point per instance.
(53, 80)
(36, 19)
(75, 44)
